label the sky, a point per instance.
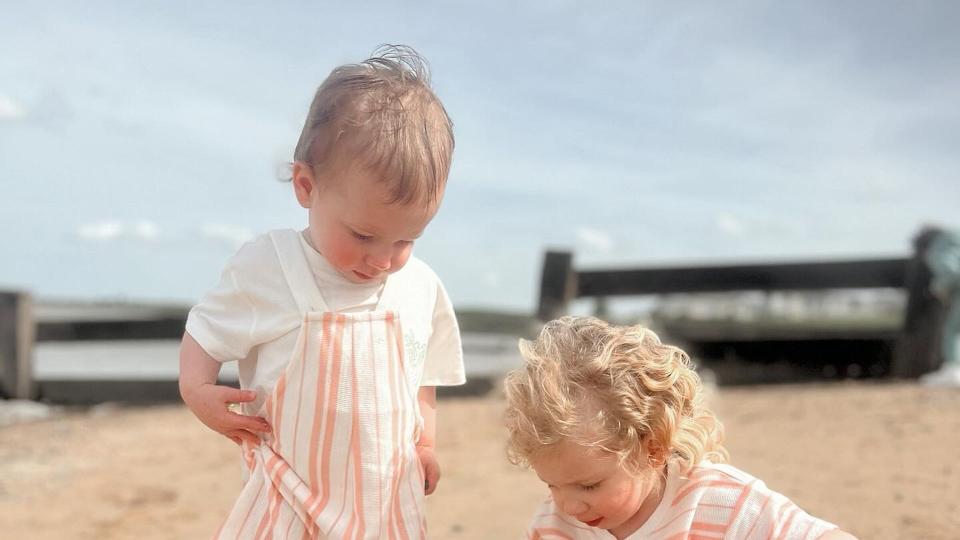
(140, 145)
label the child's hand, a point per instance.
(431, 468)
(209, 403)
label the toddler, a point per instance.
(340, 334)
(612, 421)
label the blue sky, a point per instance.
(140, 144)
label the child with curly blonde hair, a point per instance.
(612, 420)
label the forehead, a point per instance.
(570, 463)
(365, 202)
(396, 180)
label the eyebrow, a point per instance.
(355, 227)
(586, 480)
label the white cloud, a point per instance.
(10, 109)
(104, 231)
(101, 231)
(232, 235)
(594, 239)
(730, 225)
(146, 230)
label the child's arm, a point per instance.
(208, 401)
(426, 445)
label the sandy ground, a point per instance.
(877, 459)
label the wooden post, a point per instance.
(558, 285)
(16, 345)
(917, 350)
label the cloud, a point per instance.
(146, 230)
(105, 231)
(594, 239)
(101, 231)
(232, 235)
(730, 225)
(10, 109)
(491, 278)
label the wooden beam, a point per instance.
(784, 276)
(16, 346)
(917, 351)
(103, 330)
(558, 285)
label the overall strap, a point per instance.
(297, 271)
(393, 288)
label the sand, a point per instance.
(877, 459)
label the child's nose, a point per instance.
(573, 507)
(379, 260)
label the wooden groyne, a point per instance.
(911, 347)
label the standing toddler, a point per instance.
(340, 334)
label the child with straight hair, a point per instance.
(612, 420)
(340, 333)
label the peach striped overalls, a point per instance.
(341, 462)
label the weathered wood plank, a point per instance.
(103, 330)
(783, 276)
(558, 285)
(16, 344)
(917, 350)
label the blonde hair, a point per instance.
(616, 388)
(382, 115)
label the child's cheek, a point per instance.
(342, 254)
(401, 258)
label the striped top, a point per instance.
(341, 461)
(711, 502)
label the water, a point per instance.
(485, 355)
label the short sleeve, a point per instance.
(444, 362)
(250, 305)
(222, 322)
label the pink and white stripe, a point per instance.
(713, 502)
(342, 461)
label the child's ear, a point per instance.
(656, 453)
(304, 183)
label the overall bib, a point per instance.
(341, 461)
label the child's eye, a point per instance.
(361, 237)
(590, 486)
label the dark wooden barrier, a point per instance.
(22, 325)
(16, 345)
(916, 351)
(162, 327)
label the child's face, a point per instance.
(589, 485)
(361, 235)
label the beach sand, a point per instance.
(879, 459)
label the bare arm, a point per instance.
(427, 396)
(196, 366)
(208, 401)
(426, 445)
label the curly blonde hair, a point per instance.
(616, 388)
(381, 114)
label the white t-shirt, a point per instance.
(252, 317)
(715, 501)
